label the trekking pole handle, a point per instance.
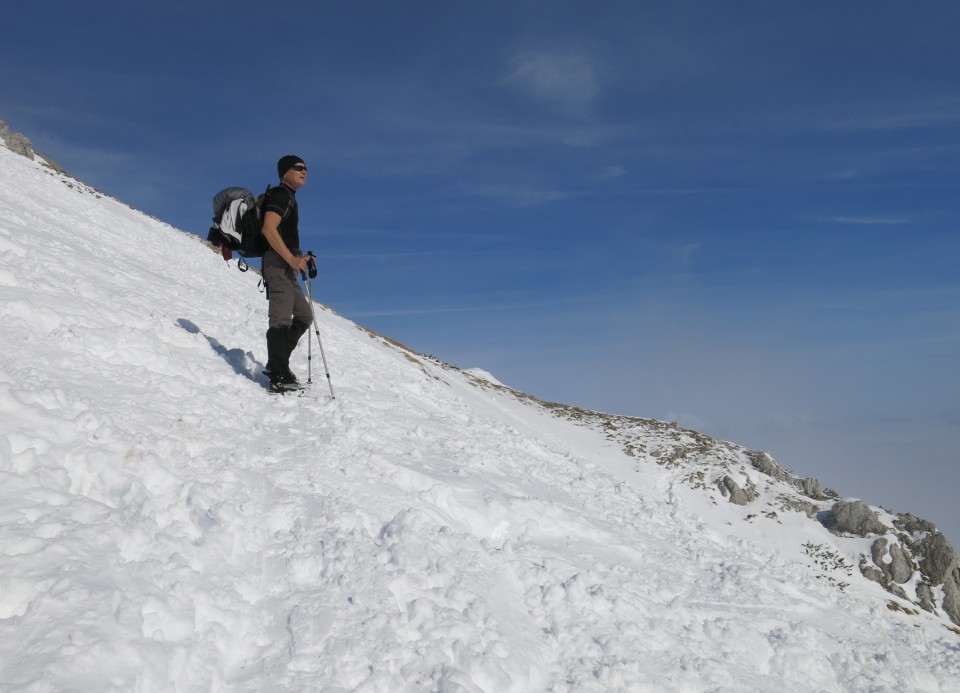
(312, 264)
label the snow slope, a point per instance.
(167, 525)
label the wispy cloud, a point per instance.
(911, 299)
(38, 115)
(377, 256)
(696, 190)
(402, 312)
(897, 121)
(865, 220)
(686, 252)
(565, 81)
(515, 196)
(611, 172)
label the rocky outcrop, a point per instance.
(937, 557)
(765, 464)
(812, 488)
(938, 565)
(951, 599)
(15, 141)
(739, 496)
(891, 567)
(855, 517)
(892, 561)
(911, 524)
(912, 545)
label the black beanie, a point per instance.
(286, 163)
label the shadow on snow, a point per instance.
(242, 362)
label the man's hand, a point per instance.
(299, 264)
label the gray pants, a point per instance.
(287, 302)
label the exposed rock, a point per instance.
(872, 572)
(763, 462)
(880, 577)
(16, 142)
(912, 524)
(925, 597)
(894, 564)
(812, 488)
(19, 144)
(737, 495)
(898, 569)
(938, 560)
(951, 599)
(856, 517)
(901, 567)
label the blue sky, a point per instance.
(740, 216)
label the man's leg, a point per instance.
(302, 317)
(281, 290)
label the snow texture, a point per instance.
(483, 375)
(168, 525)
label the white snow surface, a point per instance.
(168, 525)
(483, 375)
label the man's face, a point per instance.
(296, 177)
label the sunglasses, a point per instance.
(299, 167)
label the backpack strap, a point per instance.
(285, 213)
(289, 202)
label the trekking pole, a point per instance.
(319, 341)
(310, 355)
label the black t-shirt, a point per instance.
(283, 201)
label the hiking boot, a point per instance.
(286, 382)
(270, 371)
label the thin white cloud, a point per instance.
(565, 81)
(611, 172)
(401, 312)
(687, 251)
(867, 221)
(897, 121)
(696, 190)
(516, 195)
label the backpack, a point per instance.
(238, 223)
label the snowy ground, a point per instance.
(167, 525)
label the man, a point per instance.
(290, 314)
